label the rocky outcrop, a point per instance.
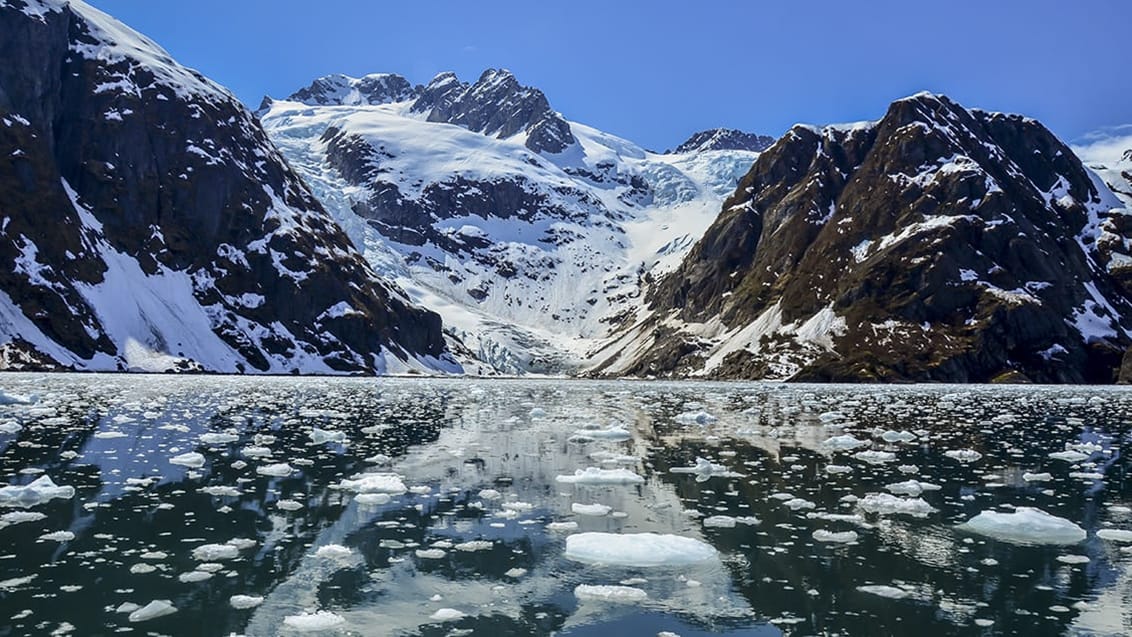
(148, 223)
(938, 244)
(495, 105)
(724, 139)
(343, 90)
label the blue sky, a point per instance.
(655, 72)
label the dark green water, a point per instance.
(478, 461)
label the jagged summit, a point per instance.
(724, 139)
(343, 90)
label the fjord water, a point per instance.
(827, 509)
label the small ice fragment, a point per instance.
(886, 504)
(473, 545)
(596, 510)
(277, 470)
(446, 615)
(313, 622)
(194, 576)
(624, 594)
(241, 602)
(192, 459)
(1069, 456)
(880, 590)
(218, 438)
(875, 457)
(220, 491)
(375, 483)
(1115, 535)
(898, 436)
(1037, 477)
(372, 499)
(593, 475)
(333, 552)
(835, 469)
(1026, 525)
(215, 552)
(323, 436)
(57, 536)
(153, 610)
(963, 455)
(843, 537)
(696, 418)
(562, 526)
(720, 522)
(912, 487)
(431, 554)
(288, 505)
(515, 573)
(1073, 559)
(636, 549)
(843, 442)
(490, 494)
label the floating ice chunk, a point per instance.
(242, 602)
(192, 459)
(912, 487)
(881, 590)
(1069, 455)
(843, 537)
(1115, 535)
(537, 412)
(194, 576)
(57, 536)
(446, 615)
(390, 483)
(378, 458)
(220, 491)
(595, 510)
(1073, 559)
(490, 494)
(127, 607)
(886, 504)
(153, 610)
(431, 554)
(313, 622)
(10, 427)
(473, 545)
(963, 455)
(844, 443)
(898, 436)
(636, 549)
(1026, 525)
(41, 490)
(254, 451)
(215, 552)
(277, 470)
(613, 433)
(218, 438)
(19, 517)
(515, 573)
(594, 475)
(696, 418)
(324, 436)
(1037, 477)
(720, 522)
(17, 399)
(623, 594)
(797, 504)
(109, 435)
(705, 469)
(288, 505)
(875, 457)
(333, 552)
(372, 499)
(835, 469)
(562, 526)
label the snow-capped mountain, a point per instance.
(937, 243)
(532, 236)
(149, 223)
(725, 139)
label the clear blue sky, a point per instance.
(656, 71)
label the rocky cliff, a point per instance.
(148, 223)
(936, 244)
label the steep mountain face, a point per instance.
(725, 139)
(148, 223)
(377, 88)
(938, 243)
(531, 251)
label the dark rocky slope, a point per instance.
(148, 222)
(725, 139)
(938, 244)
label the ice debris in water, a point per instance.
(18, 517)
(375, 483)
(41, 490)
(277, 470)
(612, 433)
(192, 459)
(1069, 456)
(57, 536)
(898, 436)
(241, 602)
(881, 590)
(10, 427)
(153, 610)
(1025, 525)
(705, 469)
(595, 510)
(875, 457)
(1115, 535)
(313, 622)
(696, 418)
(594, 475)
(963, 455)
(446, 615)
(333, 552)
(636, 549)
(217, 438)
(912, 487)
(609, 593)
(842, 537)
(17, 399)
(886, 504)
(843, 443)
(324, 436)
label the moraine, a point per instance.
(424, 506)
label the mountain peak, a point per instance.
(342, 90)
(1127, 155)
(724, 139)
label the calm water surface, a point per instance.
(832, 510)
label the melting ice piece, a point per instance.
(323, 436)
(215, 552)
(375, 483)
(1115, 535)
(41, 490)
(593, 475)
(898, 436)
(333, 552)
(912, 487)
(277, 470)
(446, 615)
(1069, 456)
(843, 443)
(241, 602)
(153, 610)
(17, 399)
(843, 537)
(881, 590)
(875, 457)
(963, 455)
(192, 459)
(217, 438)
(636, 549)
(885, 504)
(705, 469)
(613, 433)
(695, 418)
(313, 622)
(609, 593)
(596, 510)
(1026, 526)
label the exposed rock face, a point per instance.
(148, 222)
(938, 244)
(376, 88)
(495, 105)
(725, 139)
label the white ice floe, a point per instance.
(562, 526)
(215, 552)
(875, 457)
(313, 622)
(833, 537)
(19, 517)
(242, 602)
(720, 522)
(473, 545)
(153, 610)
(613, 433)
(276, 470)
(333, 552)
(41, 490)
(898, 436)
(594, 475)
(963, 455)
(324, 436)
(844, 442)
(704, 469)
(695, 418)
(637, 549)
(1069, 456)
(446, 615)
(595, 510)
(1025, 525)
(218, 438)
(57, 536)
(1037, 477)
(192, 459)
(1115, 535)
(389, 483)
(606, 593)
(912, 487)
(887, 504)
(881, 590)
